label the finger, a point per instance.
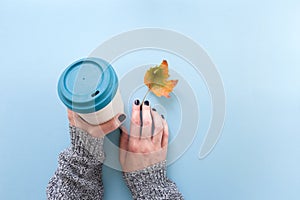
(165, 136)
(147, 121)
(158, 127)
(71, 117)
(112, 124)
(123, 145)
(76, 120)
(135, 125)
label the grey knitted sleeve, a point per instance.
(78, 175)
(152, 183)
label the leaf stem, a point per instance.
(145, 96)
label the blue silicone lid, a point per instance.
(87, 85)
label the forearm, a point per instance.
(79, 171)
(152, 183)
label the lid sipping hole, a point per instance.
(95, 93)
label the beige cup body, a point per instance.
(115, 107)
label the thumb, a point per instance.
(123, 145)
(113, 124)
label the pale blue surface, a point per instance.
(255, 45)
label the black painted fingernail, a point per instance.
(163, 116)
(153, 109)
(137, 102)
(122, 117)
(146, 103)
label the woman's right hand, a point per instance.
(143, 147)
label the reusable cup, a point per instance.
(90, 88)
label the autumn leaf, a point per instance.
(156, 80)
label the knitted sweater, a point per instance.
(78, 175)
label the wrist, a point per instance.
(155, 173)
(85, 144)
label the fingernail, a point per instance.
(122, 117)
(146, 103)
(153, 109)
(163, 116)
(137, 102)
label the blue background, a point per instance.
(255, 45)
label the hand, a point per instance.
(143, 147)
(97, 131)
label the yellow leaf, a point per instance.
(156, 80)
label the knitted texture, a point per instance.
(78, 175)
(79, 169)
(151, 183)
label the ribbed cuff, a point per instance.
(155, 174)
(86, 145)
